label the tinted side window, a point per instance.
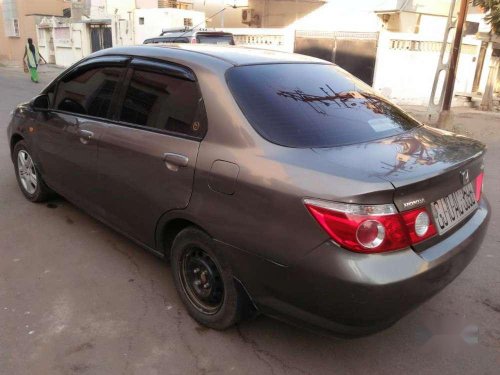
(51, 93)
(178, 40)
(215, 39)
(88, 92)
(160, 101)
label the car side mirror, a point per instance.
(41, 103)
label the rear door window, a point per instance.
(178, 40)
(160, 101)
(215, 39)
(88, 92)
(313, 105)
(167, 40)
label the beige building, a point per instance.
(17, 24)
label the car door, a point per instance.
(69, 136)
(147, 157)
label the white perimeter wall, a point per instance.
(281, 39)
(406, 66)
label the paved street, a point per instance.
(78, 298)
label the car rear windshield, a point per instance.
(215, 39)
(313, 105)
(167, 40)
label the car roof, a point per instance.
(233, 55)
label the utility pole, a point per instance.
(445, 118)
(450, 82)
(222, 14)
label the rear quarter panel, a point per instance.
(265, 215)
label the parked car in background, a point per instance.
(273, 182)
(186, 35)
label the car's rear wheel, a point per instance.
(28, 177)
(205, 281)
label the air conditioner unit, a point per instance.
(247, 16)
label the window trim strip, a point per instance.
(162, 68)
(107, 121)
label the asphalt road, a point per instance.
(78, 298)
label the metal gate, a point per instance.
(355, 52)
(100, 37)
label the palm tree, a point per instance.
(492, 8)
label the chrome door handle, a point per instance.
(175, 161)
(85, 135)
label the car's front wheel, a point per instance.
(28, 177)
(204, 281)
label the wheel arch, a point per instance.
(169, 226)
(15, 139)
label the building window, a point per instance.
(188, 22)
(10, 18)
(167, 3)
(141, 20)
(15, 27)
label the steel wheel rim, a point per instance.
(201, 281)
(27, 172)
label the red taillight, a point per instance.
(479, 186)
(371, 228)
(419, 225)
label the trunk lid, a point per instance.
(423, 165)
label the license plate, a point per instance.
(451, 210)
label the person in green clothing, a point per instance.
(31, 58)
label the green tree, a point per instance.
(492, 8)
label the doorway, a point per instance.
(100, 37)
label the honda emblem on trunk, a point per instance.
(464, 175)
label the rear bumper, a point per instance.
(355, 294)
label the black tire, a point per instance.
(42, 192)
(192, 243)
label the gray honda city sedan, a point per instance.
(273, 182)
